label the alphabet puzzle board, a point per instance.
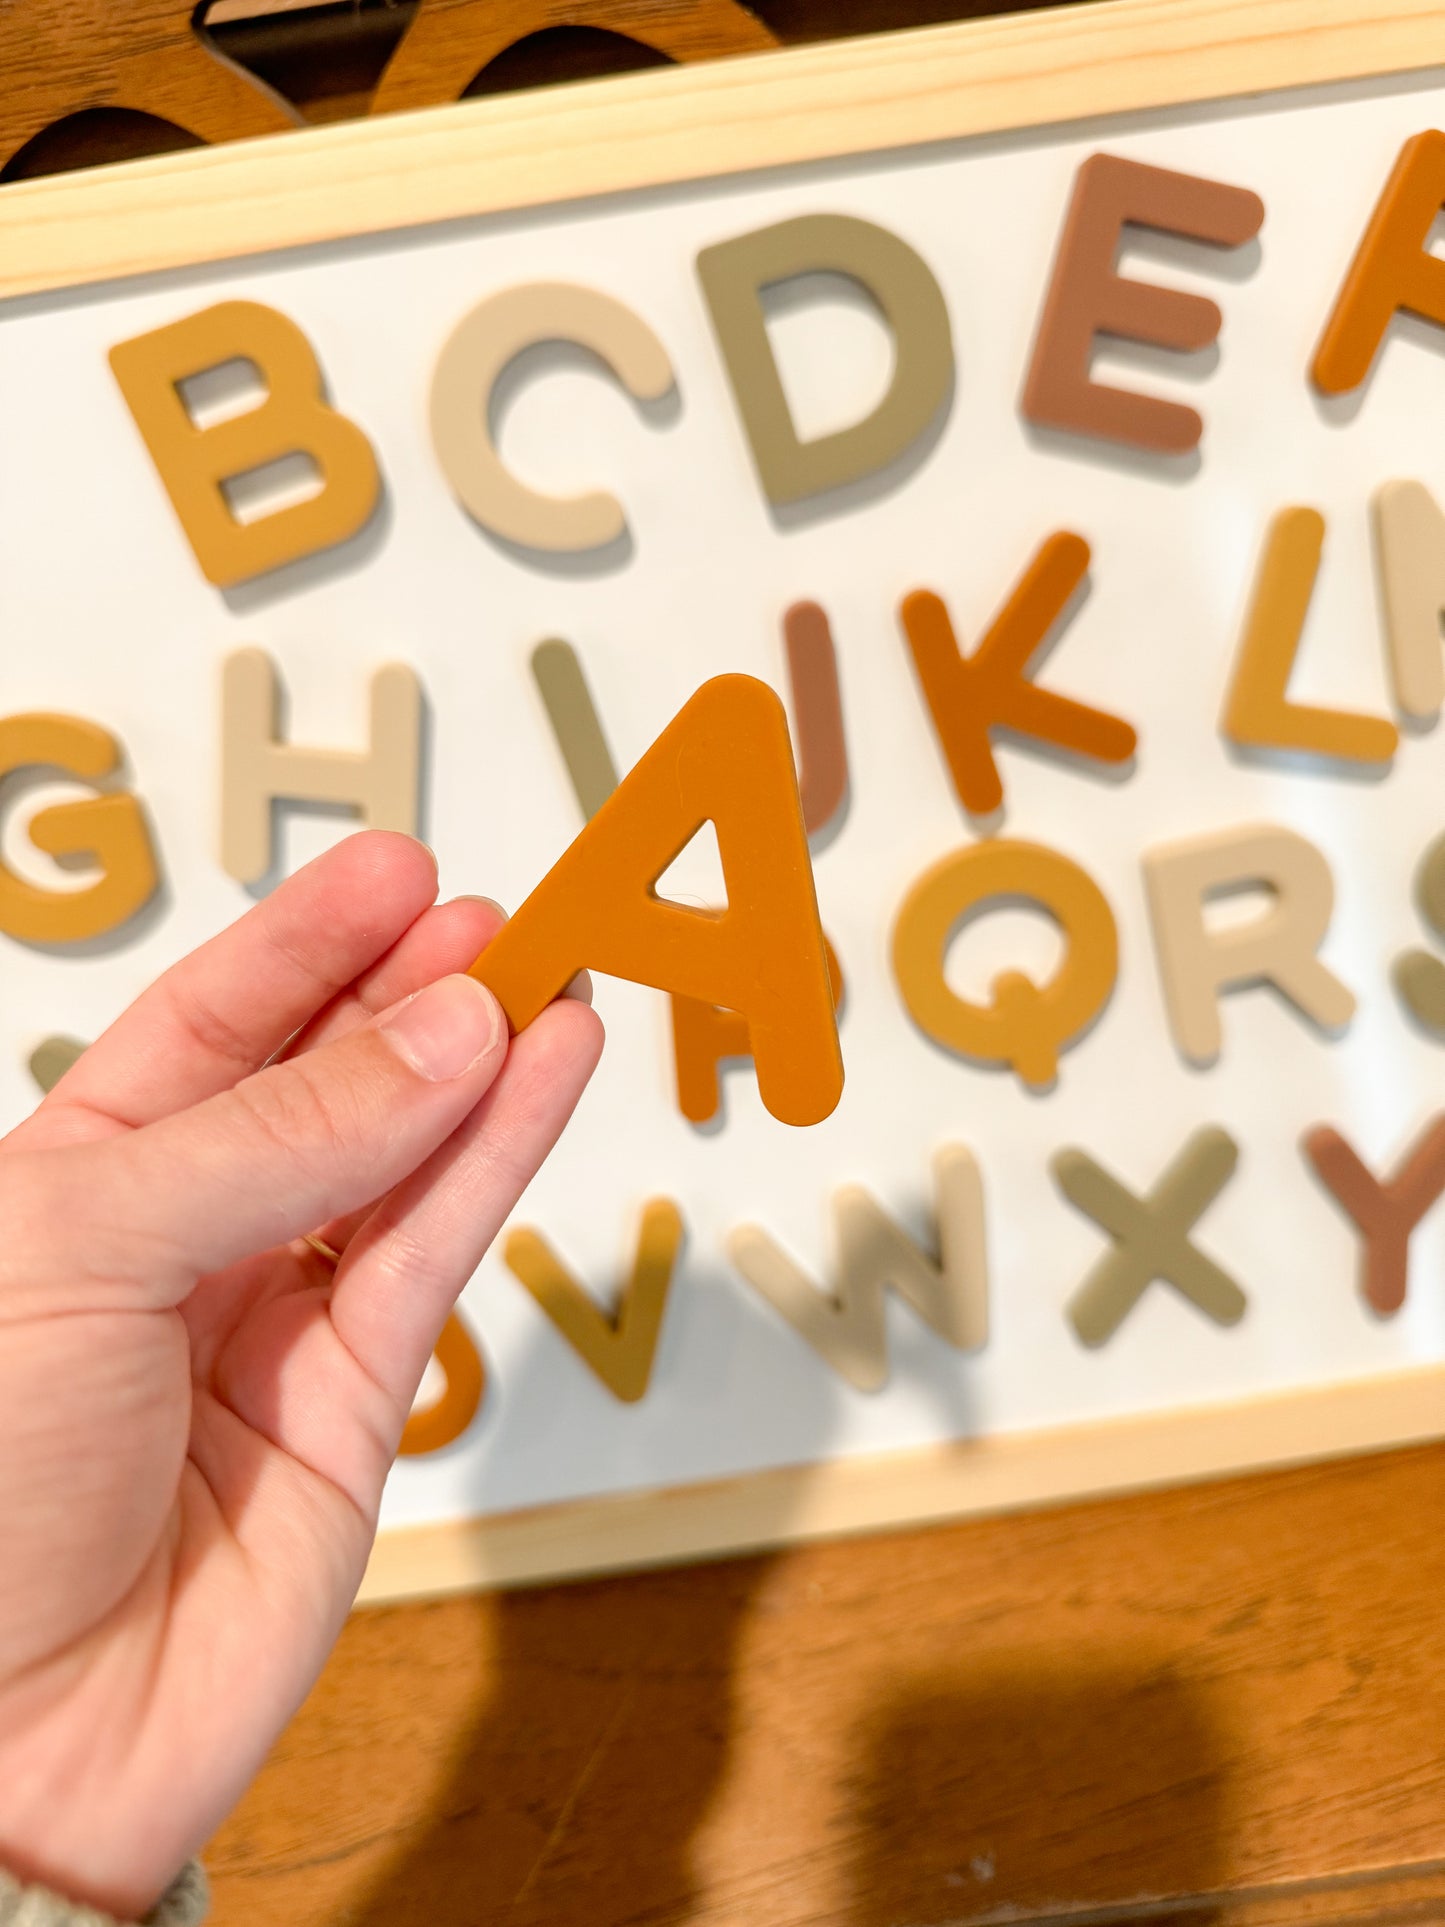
(1143, 1009)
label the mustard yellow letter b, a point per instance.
(196, 462)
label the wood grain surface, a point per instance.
(86, 82)
(63, 58)
(1233, 1695)
(451, 41)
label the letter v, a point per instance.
(619, 1350)
(875, 1254)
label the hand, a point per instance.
(197, 1413)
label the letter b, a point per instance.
(196, 462)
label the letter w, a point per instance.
(848, 1330)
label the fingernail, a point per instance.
(491, 903)
(447, 1029)
(580, 988)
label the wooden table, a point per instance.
(1233, 1693)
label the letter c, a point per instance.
(480, 349)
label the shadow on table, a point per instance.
(582, 1779)
(1062, 1786)
(1032, 1781)
(576, 1794)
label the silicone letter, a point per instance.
(1257, 710)
(817, 714)
(1197, 963)
(108, 829)
(1410, 551)
(562, 684)
(1088, 298)
(196, 463)
(1151, 1236)
(441, 1424)
(734, 275)
(619, 1350)
(704, 1035)
(724, 758)
(704, 1038)
(875, 1254)
(1393, 272)
(1419, 976)
(1385, 1214)
(50, 1060)
(971, 696)
(257, 767)
(1022, 1025)
(817, 710)
(472, 362)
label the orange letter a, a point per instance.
(1393, 272)
(725, 758)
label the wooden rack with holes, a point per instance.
(175, 74)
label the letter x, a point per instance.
(1151, 1236)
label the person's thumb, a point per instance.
(293, 1146)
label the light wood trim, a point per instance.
(224, 12)
(716, 118)
(953, 1481)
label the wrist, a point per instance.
(102, 1880)
(80, 1819)
(184, 1904)
(63, 1892)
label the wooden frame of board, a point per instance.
(736, 117)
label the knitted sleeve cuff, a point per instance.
(184, 1906)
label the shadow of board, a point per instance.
(1009, 1778)
(981, 1780)
(1034, 1785)
(578, 1783)
(586, 1771)
(1041, 1786)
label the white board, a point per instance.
(105, 614)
